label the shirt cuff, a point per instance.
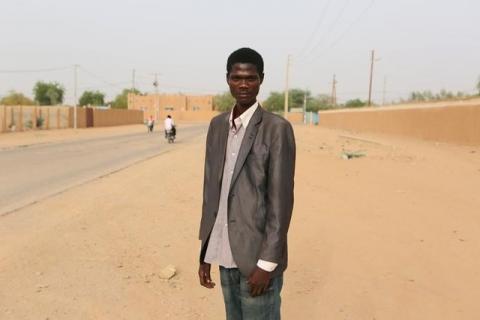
(266, 265)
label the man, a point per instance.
(169, 125)
(150, 123)
(247, 197)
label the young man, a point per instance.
(168, 124)
(247, 197)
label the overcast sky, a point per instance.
(420, 44)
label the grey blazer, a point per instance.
(260, 200)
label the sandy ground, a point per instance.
(391, 235)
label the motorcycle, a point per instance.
(170, 134)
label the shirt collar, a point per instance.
(244, 118)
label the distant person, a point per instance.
(169, 125)
(150, 123)
(247, 197)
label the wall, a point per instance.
(295, 117)
(189, 116)
(156, 105)
(452, 123)
(81, 117)
(115, 117)
(22, 118)
(199, 103)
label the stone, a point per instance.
(168, 272)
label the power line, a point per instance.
(330, 29)
(105, 85)
(99, 78)
(343, 34)
(36, 70)
(177, 86)
(316, 28)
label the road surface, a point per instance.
(35, 172)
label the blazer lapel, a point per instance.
(247, 142)
(222, 146)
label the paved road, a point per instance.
(33, 173)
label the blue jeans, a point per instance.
(239, 305)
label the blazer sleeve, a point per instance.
(207, 172)
(279, 202)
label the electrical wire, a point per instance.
(99, 78)
(36, 70)
(330, 28)
(315, 29)
(344, 33)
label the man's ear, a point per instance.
(262, 75)
(226, 77)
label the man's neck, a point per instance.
(238, 110)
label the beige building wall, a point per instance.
(295, 117)
(81, 118)
(458, 124)
(159, 105)
(116, 117)
(21, 118)
(199, 103)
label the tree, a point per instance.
(296, 98)
(94, 98)
(48, 93)
(16, 99)
(120, 101)
(223, 102)
(274, 102)
(355, 103)
(321, 102)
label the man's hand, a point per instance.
(204, 275)
(258, 280)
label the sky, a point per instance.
(419, 45)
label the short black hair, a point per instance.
(245, 55)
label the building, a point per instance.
(159, 105)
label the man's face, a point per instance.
(244, 82)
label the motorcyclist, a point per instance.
(169, 126)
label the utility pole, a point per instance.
(334, 92)
(384, 89)
(75, 71)
(132, 92)
(133, 80)
(371, 79)
(157, 97)
(305, 107)
(155, 83)
(287, 86)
